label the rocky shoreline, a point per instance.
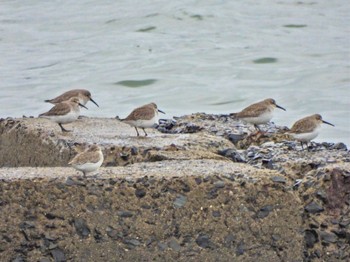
(198, 188)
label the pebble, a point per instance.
(203, 241)
(140, 192)
(264, 211)
(162, 246)
(278, 179)
(125, 213)
(322, 195)
(267, 163)
(216, 213)
(81, 227)
(180, 201)
(313, 208)
(132, 242)
(219, 184)
(328, 237)
(344, 223)
(58, 255)
(234, 138)
(340, 146)
(311, 238)
(174, 245)
(229, 240)
(240, 249)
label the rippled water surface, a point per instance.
(187, 56)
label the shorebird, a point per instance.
(258, 113)
(89, 160)
(307, 128)
(143, 117)
(83, 95)
(64, 112)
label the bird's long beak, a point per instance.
(161, 111)
(327, 123)
(82, 105)
(281, 107)
(94, 102)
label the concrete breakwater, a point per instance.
(198, 188)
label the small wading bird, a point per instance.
(143, 117)
(83, 95)
(64, 112)
(89, 160)
(258, 113)
(307, 128)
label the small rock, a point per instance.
(310, 237)
(219, 184)
(328, 237)
(203, 241)
(264, 211)
(180, 201)
(327, 177)
(322, 195)
(340, 146)
(234, 138)
(174, 245)
(81, 227)
(344, 223)
(114, 234)
(229, 240)
(216, 213)
(267, 163)
(26, 225)
(340, 233)
(313, 208)
(98, 236)
(125, 213)
(198, 180)
(278, 179)
(134, 151)
(58, 255)
(140, 192)
(240, 249)
(162, 246)
(132, 242)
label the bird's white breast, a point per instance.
(306, 137)
(89, 166)
(71, 116)
(262, 119)
(144, 123)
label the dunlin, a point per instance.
(89, 160)
(64, 112)
(258, 113)
(307, 128)
(83, 95)
(143, 117)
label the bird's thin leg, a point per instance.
(301, 143)
(307, 146)
(144, 131)
(257, 128)
(84, 174)
(137, 131)
(63, 129)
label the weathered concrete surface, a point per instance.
(224, 213)
(39, 142)
(180, 196)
